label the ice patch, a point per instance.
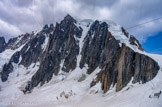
(45, 42)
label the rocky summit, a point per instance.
(76, 45)
(2, 44)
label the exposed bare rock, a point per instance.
(30, 53)
(97, 48)
(62, 45)
(8, 68)
(16, 42)
(2, 44)
(132, 39)
(125, 65)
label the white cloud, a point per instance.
(29, 15)
(8, 29)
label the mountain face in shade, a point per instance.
(78, 44)
(2, 44)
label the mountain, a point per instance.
(90, 53)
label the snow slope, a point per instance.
(6, 56)
(134, 95)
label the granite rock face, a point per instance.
(30, 53)
(7, 69)
(125, 65)
(2, 44)
(132, 39)
(97, 48)
(16, 42)
(62, 45)
(100, 49)
(58, 48)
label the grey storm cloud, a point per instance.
(20, 16)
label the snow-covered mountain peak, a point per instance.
(74, 60)
(117, 31)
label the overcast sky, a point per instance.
(20, 16)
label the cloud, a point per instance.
(8, 29)
(15, 20)
(130, 13)
(28, 15)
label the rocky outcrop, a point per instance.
(30, 53)
(16, 42)
(2, 44)
(125, 65)
(132, 39)
(97, 48)
(100, 49)
(62, 45)
(8, 68)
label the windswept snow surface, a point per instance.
(10, 90)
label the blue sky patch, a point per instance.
(153, 44)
